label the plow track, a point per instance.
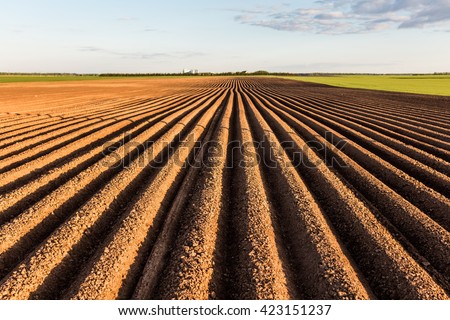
(225, 189)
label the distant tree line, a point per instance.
(237, 73)
(47, 74)
(145, 74)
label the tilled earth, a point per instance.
(222, 188)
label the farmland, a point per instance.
(14, 78)
(222, 188)
(44, 78)
(423, 84)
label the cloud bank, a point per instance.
(345, 16)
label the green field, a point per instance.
(43, 78)
(425, 84)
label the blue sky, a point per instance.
(166, 36)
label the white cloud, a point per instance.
(345, 16)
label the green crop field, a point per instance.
(424, 84)
(4, 78)
(43, 78)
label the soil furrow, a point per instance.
(50, 121)
(222, 188)
(426, 146)
(12, 202)
(392, 273)
(71, 149)
(189, 271)
(55, 254)
(259, 266)
(432, 241)
(122, 248)
(29, 147)
(323, 269)
(435, 180)
(425, 198)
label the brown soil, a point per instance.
(303, 192)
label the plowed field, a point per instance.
(222, 188)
